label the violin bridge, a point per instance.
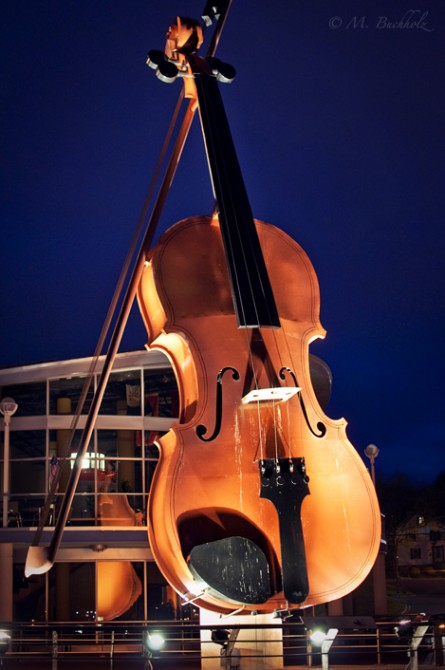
(279, 394)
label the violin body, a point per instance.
(209, 485)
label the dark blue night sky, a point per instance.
(337, 114)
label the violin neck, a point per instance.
(251, 290)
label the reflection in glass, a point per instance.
(64, 395)
(30, 397)
(27, 444)
(123, 393)
(27, 476)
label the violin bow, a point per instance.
(40, 559)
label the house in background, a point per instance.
(420, 545)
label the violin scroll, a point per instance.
(184, 39)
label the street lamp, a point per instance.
(372, 452)
(8, 407)
(379, 569)
(325, 640)
(5, 640)
(153, 642)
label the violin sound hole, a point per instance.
(201, 430)
(320, 426)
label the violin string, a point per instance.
(289, 403)
(224, 207)
(248, 332)
(274, 408)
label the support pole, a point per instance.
(326, 646)
(413, 649)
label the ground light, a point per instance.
(318, 636)
(324, 640)
(153, 642)
(5, 639)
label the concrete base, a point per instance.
(259, 649)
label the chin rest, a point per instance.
(233, 568)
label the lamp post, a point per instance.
(325, 640)
(372, 452)
(8, 407)
(153, 642)
(379, 569)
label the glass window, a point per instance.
(119, 443)
(160, 393)
(27, 443)
(122, 476)
(27, 476)
(156, 585)
(63, 443)
(136, 611)
(64, 395)
(25, 509)
(83, 511)
(123, 393)
(29, 595)
(30, 398)
(117, 509)
(72, 592)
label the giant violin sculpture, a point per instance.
(259, 501)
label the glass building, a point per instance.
(107, 523)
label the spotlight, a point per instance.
(5, 639)
(318, 636)
(220, 636)
(155, 641)
(325, 640)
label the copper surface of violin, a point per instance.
(259, 500)
(117, 583)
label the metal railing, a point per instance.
(126, 642)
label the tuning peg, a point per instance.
(165, 70)
(212, 10)
(224, 72)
